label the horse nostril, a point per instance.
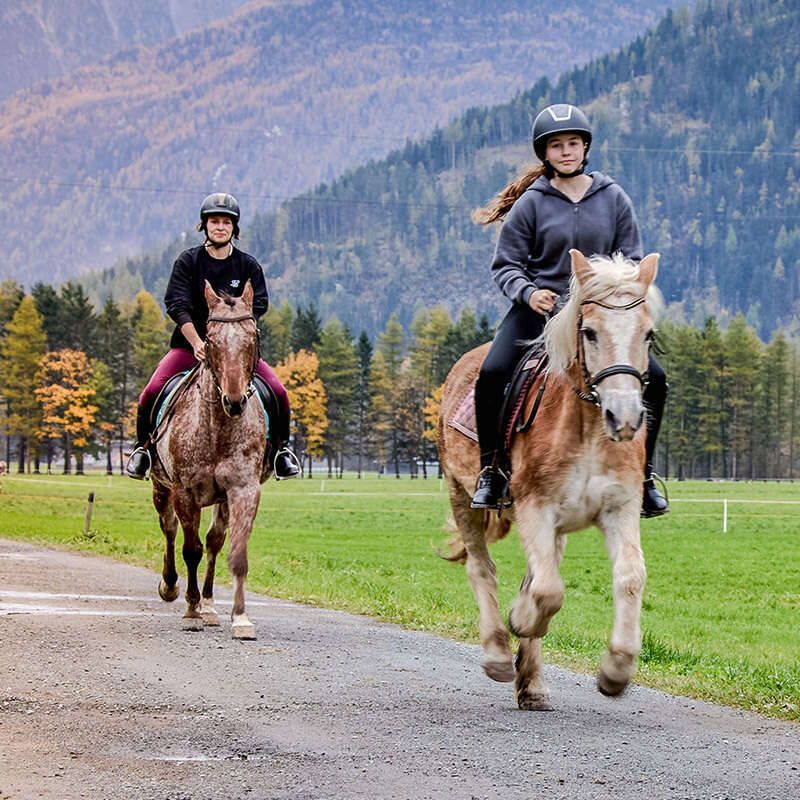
(641, 420)
(611, 420)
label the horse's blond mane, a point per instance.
(610, 276)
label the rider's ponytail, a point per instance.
(501, 203)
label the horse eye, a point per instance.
(589, 334)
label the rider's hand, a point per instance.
(542, 301)
(199, 349)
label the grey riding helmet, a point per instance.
(223, 204)
(559, 118)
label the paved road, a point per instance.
(103, 697)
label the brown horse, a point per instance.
(211, 452)
(580, 464)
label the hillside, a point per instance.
(115, 156)
(698, 120)
(41, 40)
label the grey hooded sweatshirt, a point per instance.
(543, 224)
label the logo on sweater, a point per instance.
(235, 283)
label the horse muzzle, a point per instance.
(623, 414)
(234, 406)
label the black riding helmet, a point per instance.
(559, 118)
(221, 204)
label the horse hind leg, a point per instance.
(215, 538)
(168, 585)
(189, 515)
(471, 526)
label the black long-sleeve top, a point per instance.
(185, 296)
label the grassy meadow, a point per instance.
(721, 609)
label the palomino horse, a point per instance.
(211, 452)
(580, 464)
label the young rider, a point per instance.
(547, 211)
(227, 269)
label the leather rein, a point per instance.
(591, 395)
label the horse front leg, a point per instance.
(162, 500)
(497, 661)
(215, 538)
(242, 505)
(541, 595)
(188, 512)
(621, 531)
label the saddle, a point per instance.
(174, 387)
(530, 366)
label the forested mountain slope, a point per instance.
(115, 156)
(41, 39)
(699, 120)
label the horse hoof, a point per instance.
(192, 624)
(534, 702)
(610, 687)
(500, 670)
(243, 630)
(166, 593)
(211, 619)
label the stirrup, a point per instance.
(648, 513)
(294, 464)
(133, 468)
(499, 495)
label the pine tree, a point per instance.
(338, 370)
(21, 351)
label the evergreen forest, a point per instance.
(698, 120)
(71, 376)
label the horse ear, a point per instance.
(648, 269)
(581, 267)
(212, 298)
(247, 294)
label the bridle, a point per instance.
(241, 318)
(591, 395)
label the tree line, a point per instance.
(70, 376)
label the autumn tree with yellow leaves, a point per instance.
(66, 392)
(299, 373)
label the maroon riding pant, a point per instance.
(179, 360)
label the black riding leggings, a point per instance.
(519, 327)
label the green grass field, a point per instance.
(721, 609)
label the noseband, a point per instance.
(591, 395)
(240, 318)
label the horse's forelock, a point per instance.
(610, 276)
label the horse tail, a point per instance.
(455, 544)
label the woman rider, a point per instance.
(227, 269)
(550, 209)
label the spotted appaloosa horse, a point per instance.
(211, 452)
(580, 464)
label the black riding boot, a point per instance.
(285, 463)
(138, 466)
(654, 504)
(492, 489)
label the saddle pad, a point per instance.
(163, 403)
(463, 420)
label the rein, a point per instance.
(591, 394)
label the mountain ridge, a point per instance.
(129, 146)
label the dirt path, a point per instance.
(103, 697)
